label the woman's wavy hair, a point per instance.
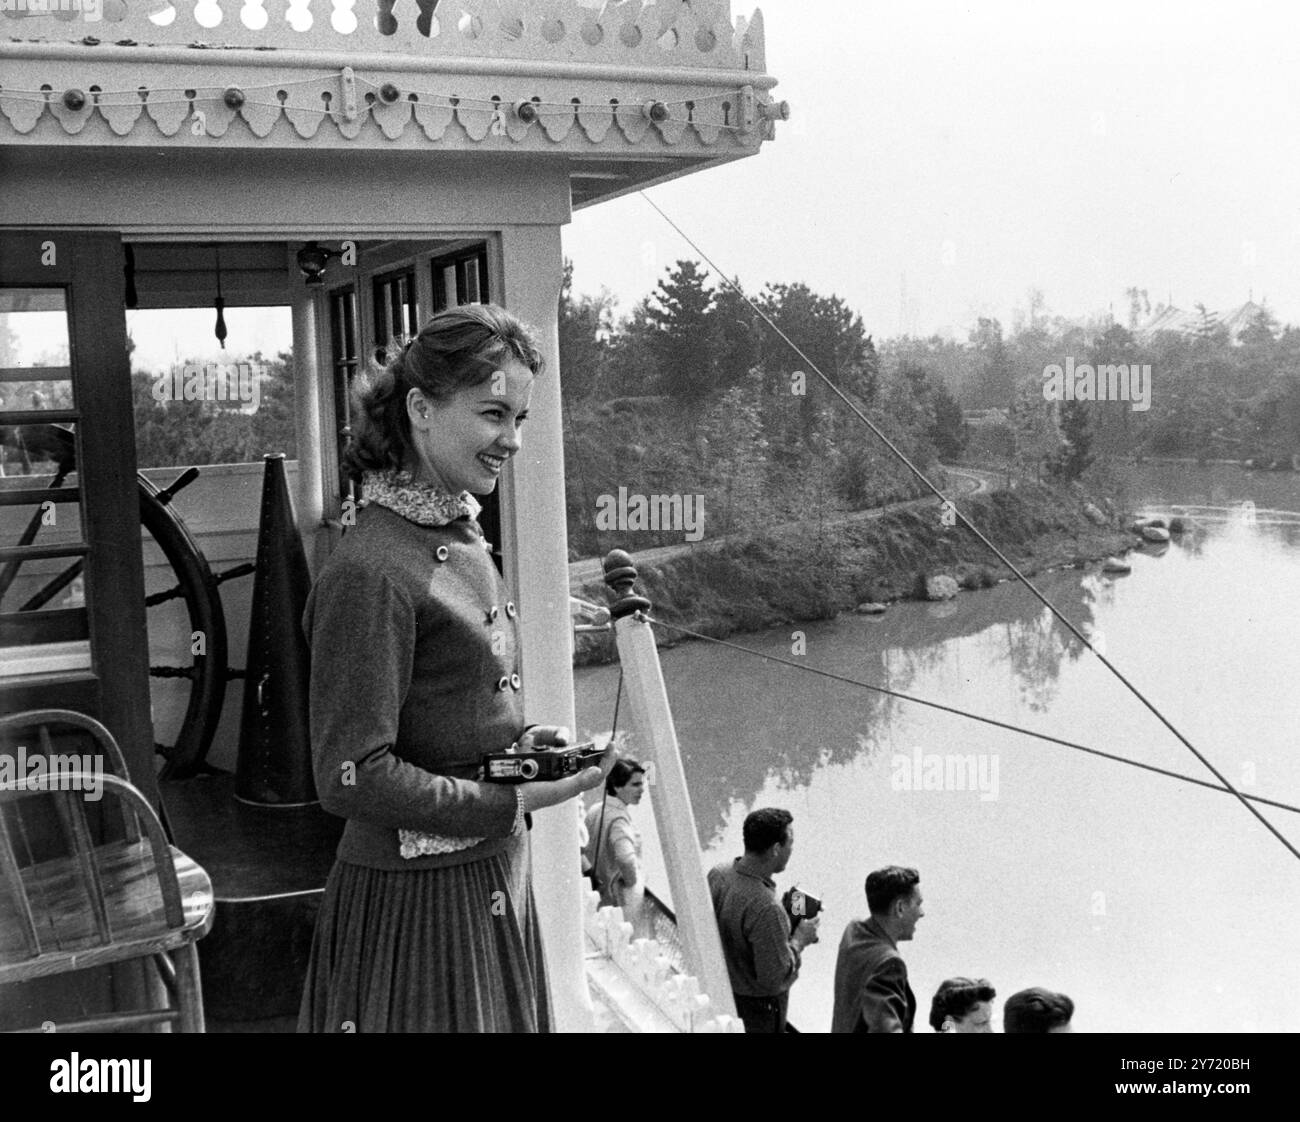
(459, 347)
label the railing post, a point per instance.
(670, 798)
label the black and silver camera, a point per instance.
(799, 905)
(541, 767)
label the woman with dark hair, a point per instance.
(613, 849)
(963, 1005)
(427, 922)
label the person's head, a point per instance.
(1037, 1010)
(626, 781)
(448, 407)
(894, 899)
(963, 1005)
(769, 837)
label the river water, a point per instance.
(1158, 906)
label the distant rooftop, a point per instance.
(1200, 322)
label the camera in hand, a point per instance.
(799, 905)
(540, 767)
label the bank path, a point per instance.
(969, 481)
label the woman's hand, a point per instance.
(538, 796)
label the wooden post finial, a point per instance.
(620, 576)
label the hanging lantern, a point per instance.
(220, 304)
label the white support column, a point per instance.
(537, 567)
(697, 927)
(309, 502)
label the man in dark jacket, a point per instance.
(871, 990)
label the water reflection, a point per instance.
(745, 721)
(1108, 872)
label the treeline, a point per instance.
(192, 433)
(692, 393)
(1212, 394)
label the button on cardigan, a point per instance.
(404, 688)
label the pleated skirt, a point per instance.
(455, 949)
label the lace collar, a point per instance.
(422, 503)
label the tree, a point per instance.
(585, 323)
(632, 368)
(826, 329)
(273, 426)
(908, 412)
(684, 338)
(732, 438)
(947, 360)
(1075, 455)
(1114, 425)
(834, 340)
(187, 433)
(948, 429)
(740, 336)
(1036, 436)
(995, 382)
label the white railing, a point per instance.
(698, 33)
(660, 999)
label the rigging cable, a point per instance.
(964, 713)
(925, 481)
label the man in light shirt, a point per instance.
(763, 957)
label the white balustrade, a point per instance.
(698, 34)
(644, 965)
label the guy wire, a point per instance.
(925, 481)
(964, 713)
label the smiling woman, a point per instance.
(428, 923)
(462, 442)
(447, 409)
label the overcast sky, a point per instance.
(942, 158)
(966, 152)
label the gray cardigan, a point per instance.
(414, 675)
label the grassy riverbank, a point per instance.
(810, 573)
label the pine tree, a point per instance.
(1075, 455)
(948, 429)
(684, 341)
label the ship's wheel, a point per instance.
(196, 585)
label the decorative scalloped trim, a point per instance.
(310, 104)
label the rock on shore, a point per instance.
(940, 587)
